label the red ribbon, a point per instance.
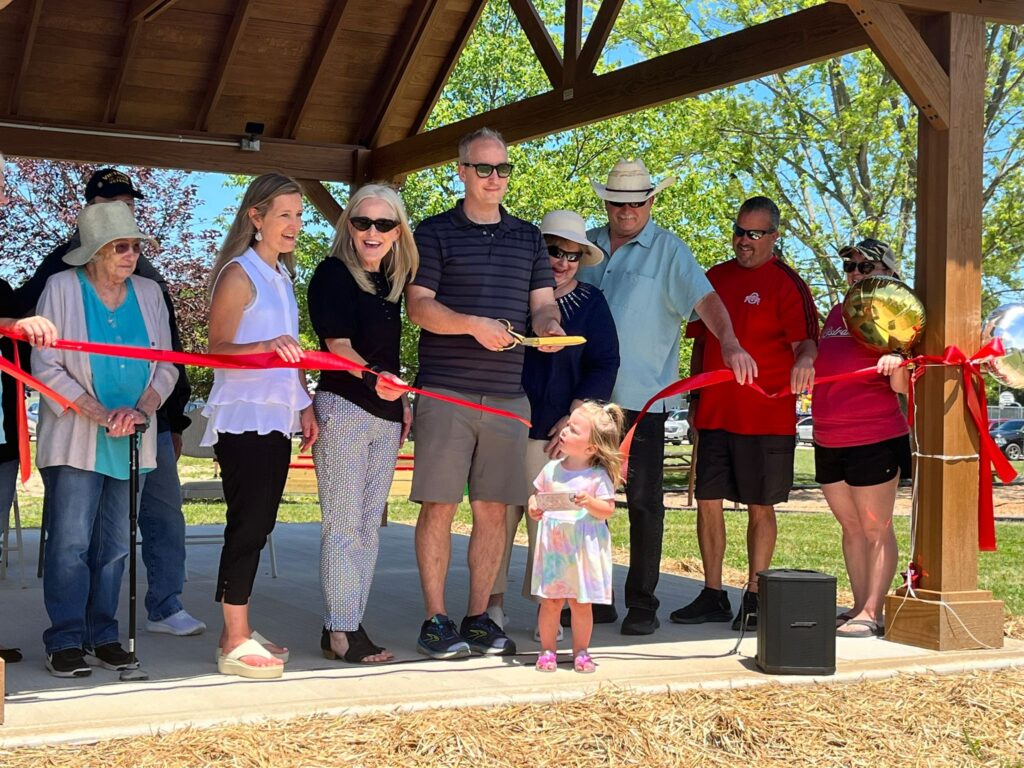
(974, 394)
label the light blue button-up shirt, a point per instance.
(652, 284)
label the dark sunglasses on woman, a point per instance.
(122, 248)
(483, 170)
(571, 256)
(752, 234)
(617, 204)
(362, 223)
(864, 267)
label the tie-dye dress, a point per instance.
(574, 550)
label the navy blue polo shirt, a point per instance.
(486, 270)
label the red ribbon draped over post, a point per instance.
(311, 360)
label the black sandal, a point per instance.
(359, 647)
(11, 655)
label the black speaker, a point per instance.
(796, 622)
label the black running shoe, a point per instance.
(69, 662)
(485, 637)
(710, 605)
(749, 610)
(440, 640)
(111, 656)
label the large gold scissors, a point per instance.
(539, 341)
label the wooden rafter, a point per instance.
(999, 11)
(540, 40)
(227, 52)
(322, 199)
(468, 25)
(572, 29)
(597, 37)
(810, 35)
(314, 68)
(98, 143)
(901, 49)
(27, 41)
(147, 10)
(131, 44)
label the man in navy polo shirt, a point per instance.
(479, 266)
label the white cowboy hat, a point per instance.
(100, 224)
(629, 182)
(569, 225)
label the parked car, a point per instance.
(33, 417)
(1009, 436)
(805, 430)
(677, 427)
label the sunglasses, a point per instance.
(571, 256)
(753, 234)
(616, 204)
(122, 248)
(363, 224)
(864, 267)
(483, 170)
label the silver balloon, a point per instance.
(1007, 323)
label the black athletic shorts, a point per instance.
(750, 469)
(863, 465)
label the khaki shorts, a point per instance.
(455, 444)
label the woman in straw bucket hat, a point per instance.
(556, 384)
(84, 455)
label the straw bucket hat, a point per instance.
(629, 182)
(569, 225)
(100, 224)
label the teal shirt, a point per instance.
(652, 284)
(117, 381)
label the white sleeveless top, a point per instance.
(266, 400)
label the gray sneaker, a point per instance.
(180, 624)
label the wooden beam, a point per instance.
(322, 199)
(810, 35)
(131, 45)
(102, 144)
(904, 53)
(597, 37)
(572, 42)
(416, 32)
(949, 611)
(468, 25)
(27, 41)
(311, 74)
(147, 10)
(998, 11)
(540, 39)
(227, 52)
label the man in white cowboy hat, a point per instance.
(161, 520)
(653, 284)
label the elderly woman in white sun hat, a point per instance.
(84, 455)
(556, 384)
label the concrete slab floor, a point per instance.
(185, 690)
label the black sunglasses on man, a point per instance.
(483, 170)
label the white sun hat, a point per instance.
(629, 182)
(100, 224)
(569, 225)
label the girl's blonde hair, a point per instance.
(607, 422)
(242, 234)
(399, 264)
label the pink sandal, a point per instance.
(584, 663)
(547, 662)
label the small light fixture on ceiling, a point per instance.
(251, 141)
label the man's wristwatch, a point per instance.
(370, 379)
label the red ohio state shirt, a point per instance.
(771, 309)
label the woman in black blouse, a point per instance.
(355, 305)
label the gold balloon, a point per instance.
(883, 314)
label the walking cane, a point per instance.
(133, 670)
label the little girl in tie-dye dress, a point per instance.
(573, 560)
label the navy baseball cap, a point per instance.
(110, 182)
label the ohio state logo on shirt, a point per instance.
(754, 298)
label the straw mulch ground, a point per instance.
(921, 720)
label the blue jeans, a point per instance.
(8, 486)
(84, 559)
(162, 526)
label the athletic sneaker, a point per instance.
(69, 662)
(485, 637)
(710, 605)
(111, 656)
(749, 610)
(440, 640)
(180, 624)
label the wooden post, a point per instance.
(948, 279)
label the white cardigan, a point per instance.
(66, 438)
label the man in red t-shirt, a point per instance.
(747, 440)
